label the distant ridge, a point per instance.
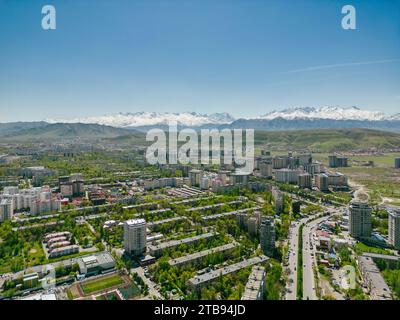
(141, 119)
(288, 119)
(332, 117)
(66, 131)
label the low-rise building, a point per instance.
(254, 289)
(200, 281)
(198, 256)
(373, 279)
(97, 263)
(63, 251)
(157, 250)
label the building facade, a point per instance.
(135, 237)
(267, 235)
(360, 219)
(394, 227)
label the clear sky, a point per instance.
(242, 57)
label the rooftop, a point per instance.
(197, 255)
(134, 222)
(173, 243)
(212, 275)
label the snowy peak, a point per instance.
(140, 119)
(332, 113)
(193, 119)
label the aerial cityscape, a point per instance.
(85, 214)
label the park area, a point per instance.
(109, 287)
(100, 284)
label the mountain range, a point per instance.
(126, 124)
(146, 119)
(350, 116)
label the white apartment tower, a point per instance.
(394, 227)
(135, 236)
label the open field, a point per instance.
(382, 184)
(327, 140)
(101, 284)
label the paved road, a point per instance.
(309, 254)
(309, 292)
(152, 290)
(291, 284)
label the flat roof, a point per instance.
(213, 206)
(154, 223)
(197, 255)
(133, 222)
(173, 243)
(219, 215)
(254, 284)
(378, 286)
(226, 270)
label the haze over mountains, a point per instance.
(120, 124)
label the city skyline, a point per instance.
(242, 58)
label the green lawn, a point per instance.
(101, 284)
(362, 247)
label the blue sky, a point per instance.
(242, 57)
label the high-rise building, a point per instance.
(253, 226)
(195, 177)
(72, 185)
(322, 182)
(338, 162)
(394, 227)
(287, 175)
(266, 169)
(280, 162)
(135, 236)
(37, 200)
(6, 209)
(397, 163)
(240, 178)
(205, 183)
(305, 159)
(337, 179)
(242, 220)
(360, 219)
(267, 235)
(312, 168)
(278, 200)
(305, 180)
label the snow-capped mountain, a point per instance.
(331, 113)
(142, 119)
(288, 119)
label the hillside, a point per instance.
(63, 131)
(279, 124)
(321, 140)
(14, 127)
(327, 140)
